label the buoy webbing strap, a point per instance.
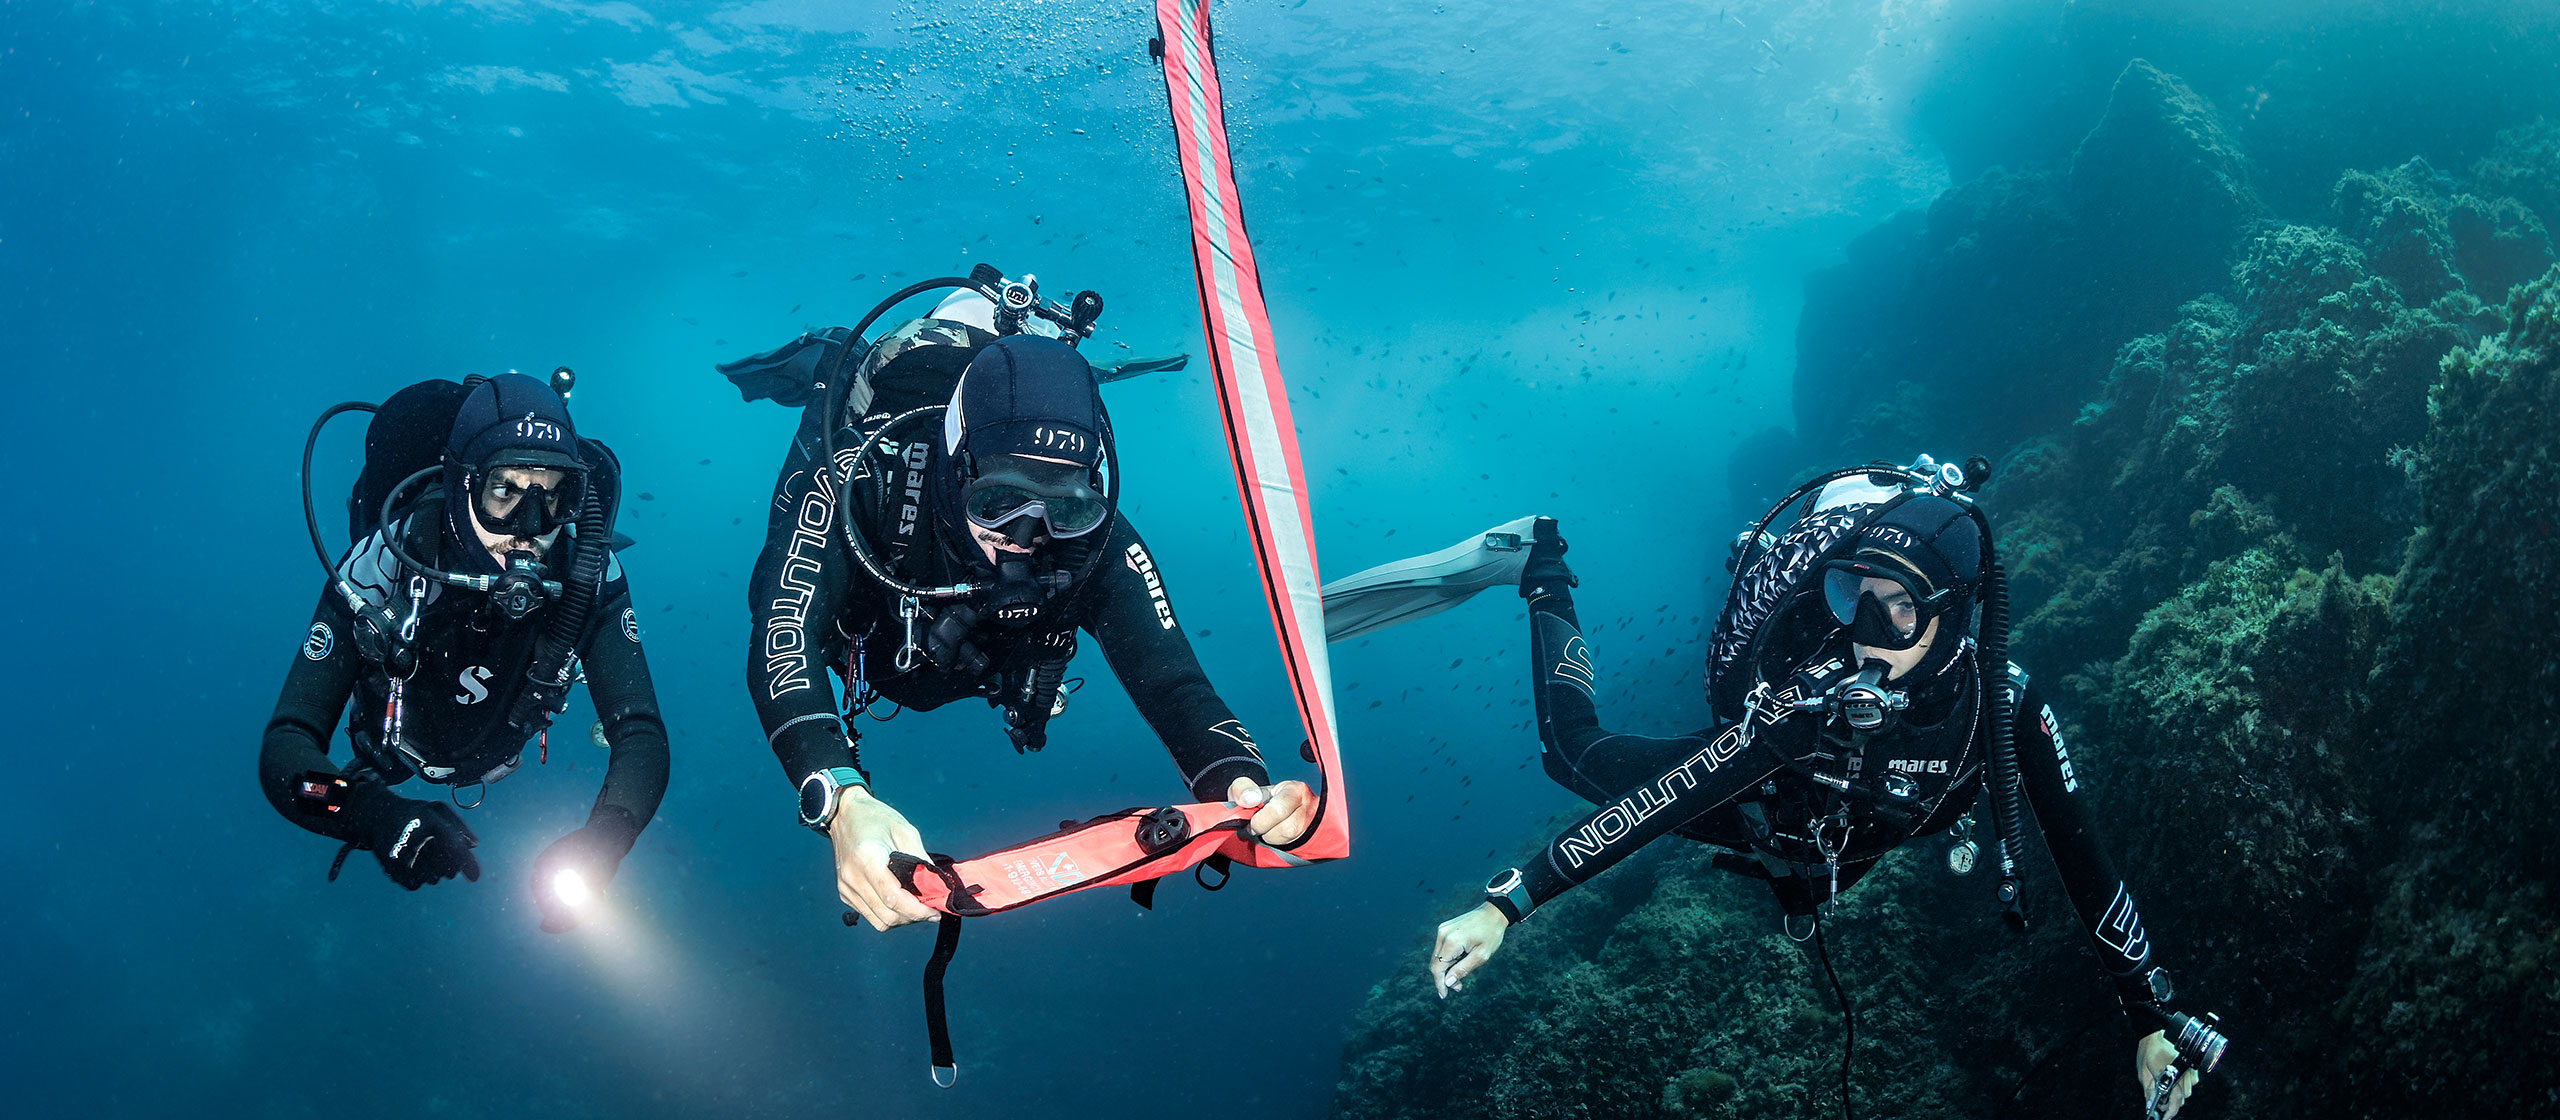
(1253, 401)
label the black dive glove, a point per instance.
(588, 859)
(1544, 573)
(417, 842)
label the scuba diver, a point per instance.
(946, 520)
(481, 585)
(1855, 709)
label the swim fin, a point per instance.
(1113, 369)
(1404, 590)
(787, 374)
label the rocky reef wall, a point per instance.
(2282, 502)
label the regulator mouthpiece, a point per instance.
(519, 590)
(1864, 700)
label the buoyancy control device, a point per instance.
(386, 586)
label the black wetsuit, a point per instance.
(1710, 786)
(456, 703)
(812, 607)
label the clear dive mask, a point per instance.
(1061, 495)
(1879, 605)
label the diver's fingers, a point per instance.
(2151, 1055)
(1440, 966)
(857, 894)
(1286, 816)
(897, 904)
(2178, 1096)
(1469, 960)
(1458, 952)
(1445, 950)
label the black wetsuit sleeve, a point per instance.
(1131, 615)
(297, 737)
(793, 598)
(635, 776)
(1645, 786)
(2102, 897)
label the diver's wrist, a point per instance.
(1508, 892)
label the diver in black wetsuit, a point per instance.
(989, 534)
(1853, 716)
(441, 627)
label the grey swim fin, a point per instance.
(1404, 590)
(1109, 370)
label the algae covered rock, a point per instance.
(2455, 992)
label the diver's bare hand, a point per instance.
(2150, 1056)
(1286, 808)
(1464, 944)
(865, 831)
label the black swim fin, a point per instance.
(1113, 369)
(787, 374)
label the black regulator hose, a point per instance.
(2008, 811)
(578, 587)
(853, 537)
(310, 516)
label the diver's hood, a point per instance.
(1021, 395)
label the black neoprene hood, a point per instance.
(517, 417)
(1027, 395)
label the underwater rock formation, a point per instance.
(2289, 566)
(1995, 312)
(2455, 994)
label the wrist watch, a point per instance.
(1509, 893)
(2157, 981)
(822, 790)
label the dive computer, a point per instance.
(822, 790)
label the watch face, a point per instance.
(814, 795)
(1504, 882)
(2160, 990)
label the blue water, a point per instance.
(1519, 259)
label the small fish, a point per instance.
(647, 496)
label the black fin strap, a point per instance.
(937, 1021)
(340, 863)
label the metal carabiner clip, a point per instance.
(908, 609)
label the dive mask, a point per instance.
(1061, 495)
(508, 509)
(1881, 607)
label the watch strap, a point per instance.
(1509, 893)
